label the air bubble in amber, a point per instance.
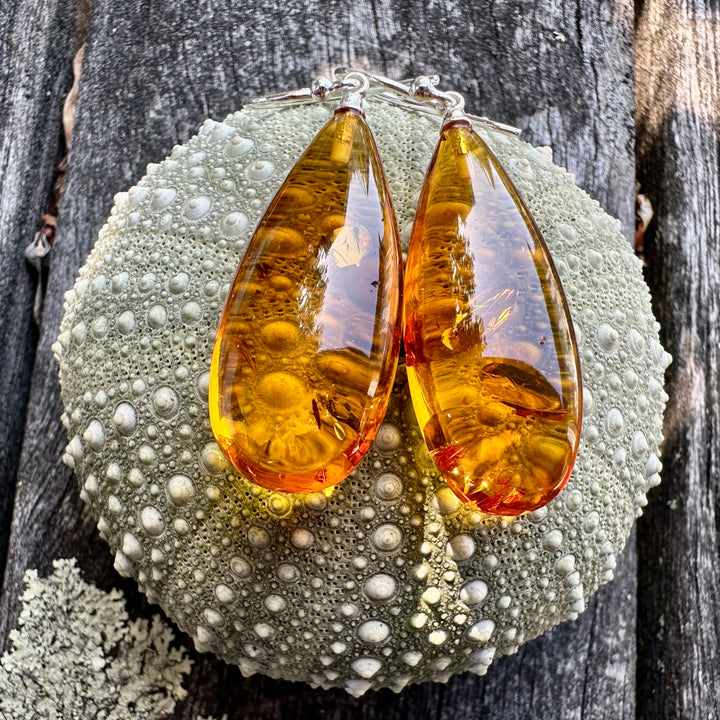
(491, 355)
(309, 337)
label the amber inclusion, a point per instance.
(308, 340)
(492, 360)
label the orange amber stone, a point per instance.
(492, 361)
(309, 337)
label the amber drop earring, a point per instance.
(309, 336)
(491, 355)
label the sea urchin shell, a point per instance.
(388, 579)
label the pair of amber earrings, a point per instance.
(310, 334)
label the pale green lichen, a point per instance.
(388, 579)
(76, 654)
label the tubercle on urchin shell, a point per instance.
(388, 579)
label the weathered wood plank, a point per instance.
(37, 44)
(678, 159)
(152, 73)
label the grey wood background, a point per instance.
(577, 75)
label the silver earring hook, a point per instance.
(356, 84)
(451, 103)
(420, 93)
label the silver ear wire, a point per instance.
(356, 85)
(350, 86)
(321, 87)
(452, 103)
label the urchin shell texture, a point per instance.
(387, 579)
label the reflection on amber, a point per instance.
(492, 361)
(308, 340)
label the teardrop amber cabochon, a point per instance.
(491, 354)
(309, 337)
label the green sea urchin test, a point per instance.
(387, 579)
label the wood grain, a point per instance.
(37, 44)
(152, 72)
(679, 581)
